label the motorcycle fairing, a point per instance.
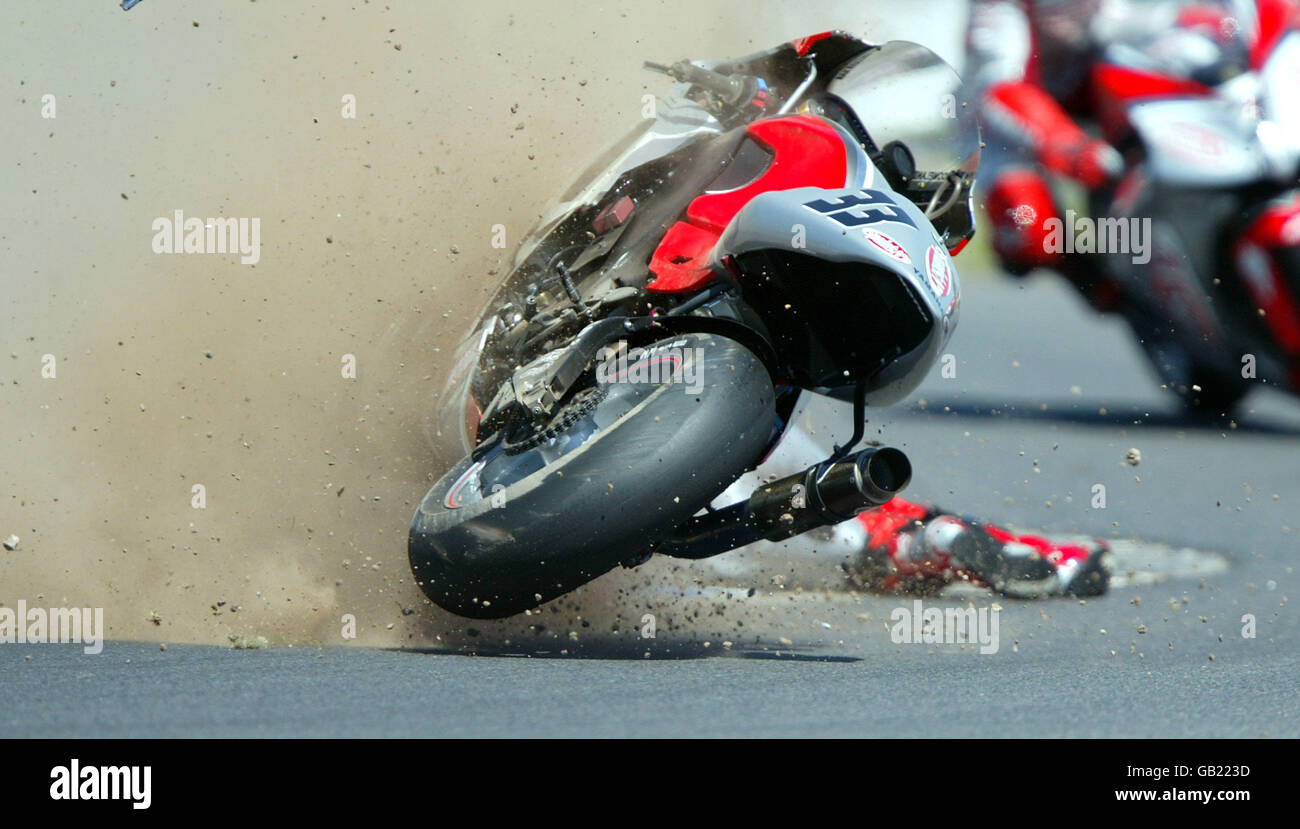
(1261, 255)
(804, 150)
(880, 249)
(1116, 88)
(1199, 143)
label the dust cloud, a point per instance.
(172, 371)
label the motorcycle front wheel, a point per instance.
(617, 468)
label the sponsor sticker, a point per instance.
(939, 271)
(887, 245)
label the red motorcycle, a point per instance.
(783, 226)
(1210, 128)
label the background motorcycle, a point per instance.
(1211, 131)
(760, 240)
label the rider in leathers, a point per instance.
(1029, 67)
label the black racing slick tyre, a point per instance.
(618, 468)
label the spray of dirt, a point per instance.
(199, 465)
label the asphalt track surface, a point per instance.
(1047, 401)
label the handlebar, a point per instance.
(744, 94)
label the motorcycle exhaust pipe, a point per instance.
(829, 492)
(823, 494)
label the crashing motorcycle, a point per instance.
(783, 226)
(1210, 128)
